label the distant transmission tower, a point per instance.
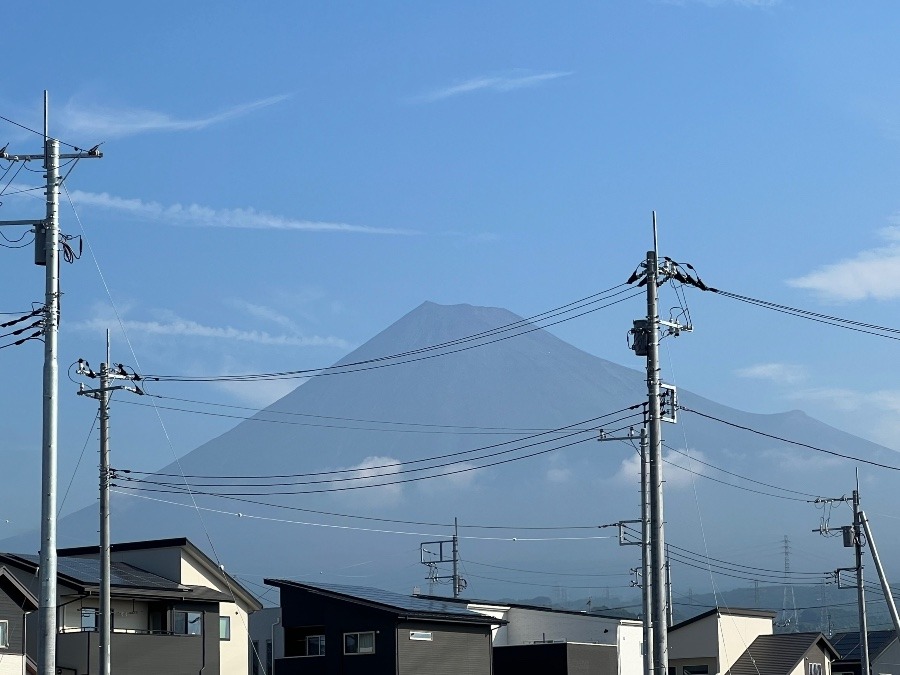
(788, 617)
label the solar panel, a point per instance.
(87, 571)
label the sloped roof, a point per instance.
(16, 591)
(733, 611)
(848, 645)
(188, 547)
(405, 606)
(519, 605)
(83, 574)
(777, 654)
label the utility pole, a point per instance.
(103, 395)
(433, 558)
(646, 343)
(646, 599)
(860, 586)
(46, 252)
(852, 535)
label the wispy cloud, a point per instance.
(784, 373)
(95, 121)
(874, 273)
(680, 468)
(205, 216)
(175, 326)
(506, 82)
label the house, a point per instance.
(174, 610)
(352, 629)
(713, 641)
(786, 654)
(602, 643)
(884, 653)
(16, 602)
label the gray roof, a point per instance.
(777, 654)
(847, 644)
(87, 571)
(83, 574)
(402, 605)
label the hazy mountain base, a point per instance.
(534, 381)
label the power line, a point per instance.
(392, 359)
(787, 440)
(567, 428)
(189, 488)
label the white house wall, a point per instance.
(736, 634)
(11, 664)
(630, 640)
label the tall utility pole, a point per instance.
(657, 528)
(46, 252)
(860, 587)
(103, 395)
(646, 343)
(646, 600)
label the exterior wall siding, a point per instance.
(10, 611)
(453, 650)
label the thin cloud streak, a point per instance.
(496, 83)
(204, 216)
(784, 373)
(95, 121)
(188, 328)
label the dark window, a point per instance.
(695, 670)
(268, 657)
(359, 643)
(304, 641)
(187, 623)
(255, 657)
(315, 645)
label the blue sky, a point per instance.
(283, 181)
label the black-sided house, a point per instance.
(16, 602)
(354, 630)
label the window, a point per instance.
(815, 669)
(4, 634)
(304, 641)
(315, 645)
(224, 627)
(255, 656)
(89, 618)
(187, 623)
(359, 643)
(698, 670)
(268, 657)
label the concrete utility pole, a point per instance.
(103, 395)
(646, 599)
(882, 577)
(46, 233)
(853, 538)
(860, 586)
(646, 343)
(432, 559)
